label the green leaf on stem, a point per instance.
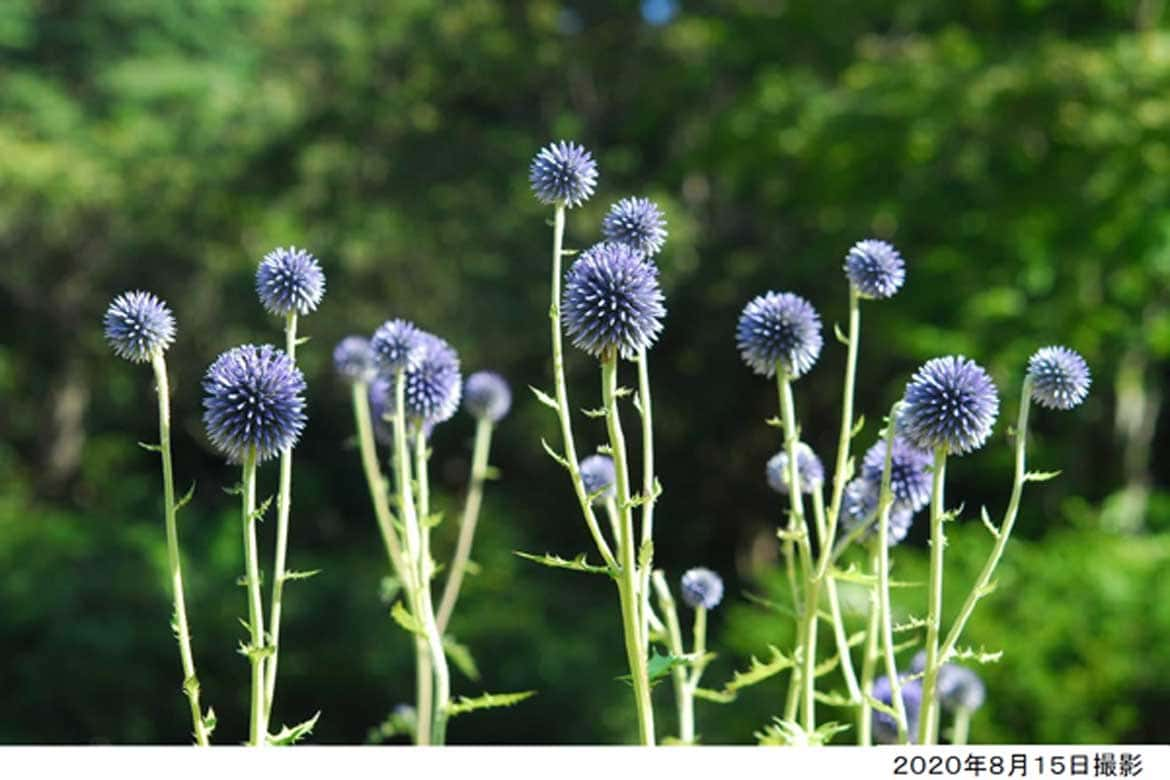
(857, 428)
(186, 498)
(209, 721)
(460, 655)
(544, 397)
(594, 413)
(759, 670)
(1040, 476)
(408, 621)
(840, 334)
(774, 422)
(646, 554)
(791, 734)
(464, 705)
(979, 656)
(150, 447)
(258, 513)
(911, 624)
(290, 735)
(835, 699)
(432, 520)
(293, 574)
(235, 490)
(719, 697)
(622, 392)
(557, 562)
(986, 518)
(559, 458)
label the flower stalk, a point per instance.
(258, 728)
(928, 724)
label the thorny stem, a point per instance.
(885, 502)
(378, 485)
(434, 637)
(869, 662)
(645, 407)
(182, 632)
(927, 734)
(683, 695)
(258, 729)
(839, 635)
(840, 473)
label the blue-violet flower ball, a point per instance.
(958, 686)
(885, 729)
(290, 281)
(138, 326)
(779, 328)
(434, 387)
(612, 301)
(254, 399)
(563, 173)
(952, 403)
(381, 397)
(875, 268)
(398, 345)
(486, 395)
(910, 471)
(598, 476)
(810, 470)
(859, 507)
(702, 588)
(637, 223)
(354, 360)
(1060, 378)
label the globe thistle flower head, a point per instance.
(598, 476)
(434, 387)
(875, 268)
(809, 468)
(354, 360)
(779, 328)
(859, 507)
(563, 173)
(960, 688)
(701, 588)
(290, 281)
(910, 475)
(139, 325)
(951, 402)
(253, 399)
(1060, 378)
(636, 222)
(885, 729)
(398, 346)
(486, 395)
(612, 301)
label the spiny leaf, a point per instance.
(841, 337)
(432, 520)
(491, 473)
(912, 623)
(486, 701)
(258, 513)
(854, 575)
(622, 392)
(789, 733)
(290, 735)
(759, 670)
(646, 555)
(835, 699)
(293, 574)
(403, 618)
(987, 522)
(554, 454)
(774, 422)
(604, 449)
(209, 721)
(856, 431)
(389, 588)
(186, 498)
(460, 655)
(235, 490)
(543, 397)
(719, 697)
(557, 562)
(1040, 476)
(594, 413)
(826, 666)
(659, 666)
(150, 447)
(881, 706)
(570, 252)
(979, 656)
(303, 340)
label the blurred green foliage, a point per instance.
(1018, 152)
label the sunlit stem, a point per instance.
(870, 659)
(182, 632)
(434, 637)
(258, 728)
(615, 520)
(885, 503)
(839, 635)
(471, 507)
(927, 734)
(628, 579)
(962, 726)
(840, 472)
(378, 485)
(683, 696)
(645, 408)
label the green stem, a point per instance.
(927, 734)
(885, 503)
(839, 635)
(378, 485)
(962, 726)
(628, 574)
(258, 729)
(471, 506)
(684, 698)
(434, 637)
(283, 507)
(869, 662)
(840, 473)
(182, 632)
(645, 408)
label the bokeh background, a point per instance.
(1017, 151)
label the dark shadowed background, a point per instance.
(1017, 152)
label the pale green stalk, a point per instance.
(615, 525)
(869, 662)
(258, 728)
(839, 635)
(885, 503)
(840, 473)
(378, 485)
(645, 408)
(927, 733)
(962, 726)
(471, 506)
(684, 698)
(628, 573)
(283, 507)
(434, 637)
(182, 632)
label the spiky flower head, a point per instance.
(637, 223)
(1060, 378)
(290, 281)
(875, 268)
(434, 387)
(139, 325)
(397, 345)
(950, 402)
(779, 328)
(598, 476)
(909, 471)
(860, 505)
(959, 688)
(702, 588)
(354, 360)
(486, 395)
(885, 728)
(809, 468)
(612, 301)
(253, 398)
(563, 173)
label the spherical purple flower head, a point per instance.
(564, 174)
(486, 395)
(958, 687)
(397, 345)
(434, 387)
(612, 301)
(885, 729)
(875, 268)
(598, 476)
(636, 222)
(910, 475)
(810, 471)
(381, 397)
(354, 360)
(859, 507)
(779, 328)
(139, 325)
(1060, 378)
(254, 398)
(290, 281)
(702, 588)
(951, 402)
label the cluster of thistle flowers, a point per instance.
(405, 382)
(254, 410)
(949, 408)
